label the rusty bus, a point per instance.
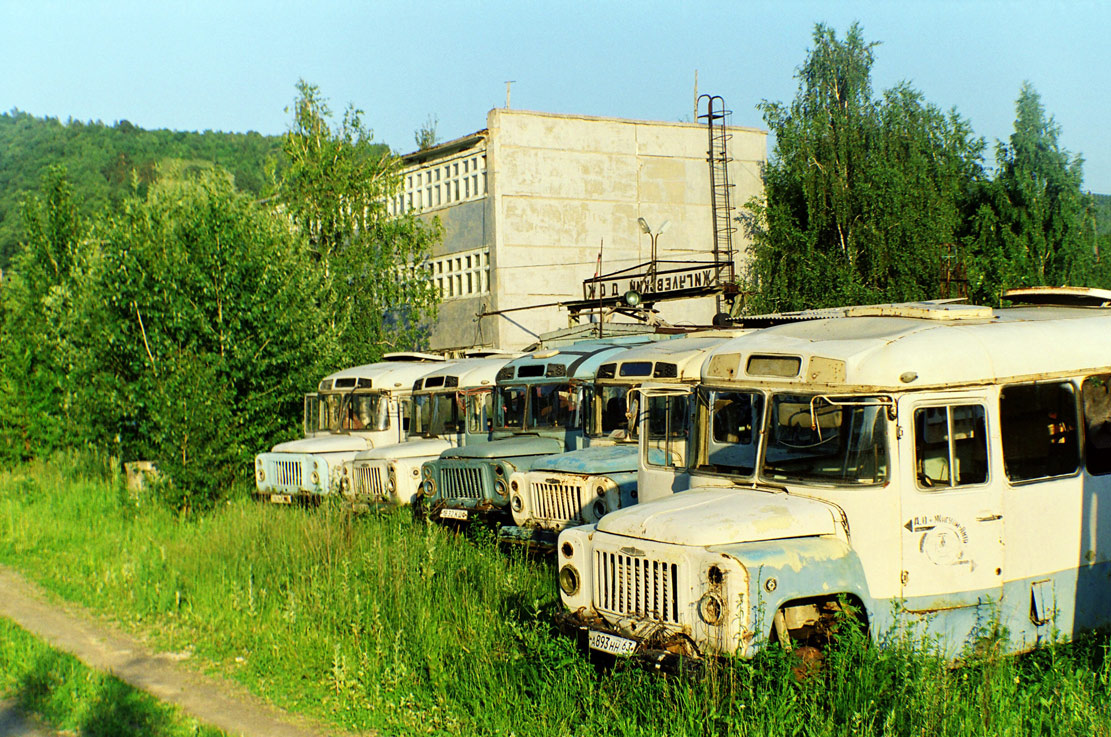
(940, 470)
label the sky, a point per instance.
(232, 65)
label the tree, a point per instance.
(377, 291)
(41, 305)
(1035, 225)
(861, 195)
(426, 137)
(205, 333)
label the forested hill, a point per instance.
(103, 161)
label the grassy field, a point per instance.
(68, 696)
(381, 622)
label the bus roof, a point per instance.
(927, 346)
(578, 360)
(679, 358)
(466, 373)
(387, 376)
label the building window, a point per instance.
(462, 275)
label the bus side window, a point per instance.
(1038, 424)
(954, 434)
(1096, 393)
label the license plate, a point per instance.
(453, 514)
(281, 499)
(612, 644)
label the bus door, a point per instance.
(664, 429)
(952, 508)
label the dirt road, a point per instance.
(218, 702)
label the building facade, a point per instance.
(529, 203)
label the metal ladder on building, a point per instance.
(720, 188)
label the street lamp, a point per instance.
(652, 237)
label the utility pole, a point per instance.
(694, 118)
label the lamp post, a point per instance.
(652, 237)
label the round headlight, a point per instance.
(518, 503)
(567, 549)
(315, 477)
(600, 491)
(599, 509)
(513, 485)
(261, 475)
(429, 487)
(390, 486)
(500, 488)
(499, 470)
(569, 580)
(416, 472)
(344, 470)
(344, 484)
(710, 609)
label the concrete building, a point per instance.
(528, 203)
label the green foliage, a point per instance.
(377, 622)
(376, 291)
(206, 332)
(105, 162)
(42, 305)
(426, 137)
(1034, 225)
(885, 200)
(861, 195)
(182, 322)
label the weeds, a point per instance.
(378, 621)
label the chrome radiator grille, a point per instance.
(461, 482)
(636, 586)
(287, 473)
(369, 480)
(557, 502)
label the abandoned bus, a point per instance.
(352, 410)
(536, 414)
(451, 407)
(942, 470)
(584, 485)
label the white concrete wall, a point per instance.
(559, 187)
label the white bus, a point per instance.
(939, 470)
(452, 406)
(352, 410)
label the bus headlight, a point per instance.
(710, 609)
(569, 580)
(600, 509)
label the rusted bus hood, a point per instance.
(325, 444)
(519, 445)
(599, 460)
(416, 448)
(722, 516)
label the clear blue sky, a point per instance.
(232, 65)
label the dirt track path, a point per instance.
(212, 700)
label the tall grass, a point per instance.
(382, 622)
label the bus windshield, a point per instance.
(732, 431)
(352, 412)
(828, 440)
(608, 411)
(436, 414)
(535, 406)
